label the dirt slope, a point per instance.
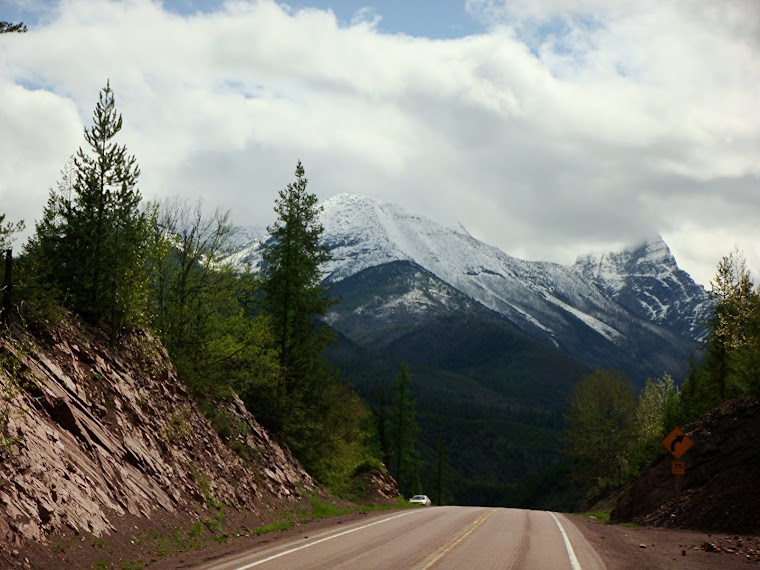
(720, 490)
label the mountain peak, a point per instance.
(646, 280)
(651, 258)
(544, 300)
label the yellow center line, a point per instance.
(446, 548)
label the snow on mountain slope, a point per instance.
(541, 298)
(545, 300)
(647, 280)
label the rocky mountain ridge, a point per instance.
(647, 280)
(571, 308)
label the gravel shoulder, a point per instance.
(640, 548)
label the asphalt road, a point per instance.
(434, 537)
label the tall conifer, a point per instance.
(403, 427)
(293, 291)
(93, 234)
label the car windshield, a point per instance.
(418, 497)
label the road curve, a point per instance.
(434, 537)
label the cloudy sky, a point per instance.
(548, 128)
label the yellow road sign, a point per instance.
(677, 443)
(678, 468)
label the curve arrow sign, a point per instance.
(677, 443)
(676, 440)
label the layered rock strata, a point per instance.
(100, 433)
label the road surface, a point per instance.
(434, 537)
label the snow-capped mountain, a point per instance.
(558, 305)
(647, 280)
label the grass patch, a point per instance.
(321, 509)
(207, 531)
(284, 525)
(196, 530)
(601, 516)
(604, 517)
(165, 545)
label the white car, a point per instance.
(420, 500)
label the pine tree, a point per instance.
(293, 291)
(441, 475)
(6, 266)
(93, 233)
(403, 428)
(381, 422)
(7, 230)
(307, 399)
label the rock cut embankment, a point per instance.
(105, 433)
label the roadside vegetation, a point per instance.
(174, 541)
(612, 433)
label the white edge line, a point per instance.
(292, 550)
(570, 552)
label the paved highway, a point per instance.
(434, 537)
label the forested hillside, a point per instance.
(487, 397)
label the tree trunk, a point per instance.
(7, 286)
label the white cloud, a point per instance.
(366, 16)
(556, 131)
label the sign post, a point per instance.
(677, 443)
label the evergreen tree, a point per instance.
(731, 364)
(7, 229)
(316, 416)
(6, 265)
(93, 234)
(403, 429)
(294, 297)
(441, 475)
(381, 419)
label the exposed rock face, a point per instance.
(105, 433)
(647, 281)
(378, 487)
(721, 486)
